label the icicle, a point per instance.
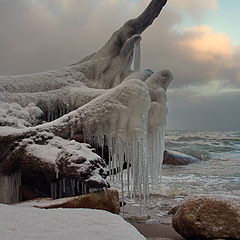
(78, 187)
(60, 186)
(57, 172)
(9, 186)
(82, 188)
(73, 187)
(142, 151)
(122, 188)
(54, 190)
(64, 185)
(137, 57)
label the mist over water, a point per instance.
(218, 171)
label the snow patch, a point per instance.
(23, 223)
(14, 115)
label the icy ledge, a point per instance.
(54, 157)
(16, 223)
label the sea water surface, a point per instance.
(218, 172)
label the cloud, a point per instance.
(205, 44)
(38, 35)
(197, 4)
(41, 35)
(193, 110)
(195, 55)
(193, 8)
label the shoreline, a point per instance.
(154, 219)
(157, 210)
(157, 231)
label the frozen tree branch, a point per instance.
(96, 98)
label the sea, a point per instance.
(218, 172)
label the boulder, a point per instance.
(107, 200)
(176, 158)
(173, 210)
(208, 217)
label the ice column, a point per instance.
(137, 57)
(9, 188)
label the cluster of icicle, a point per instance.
(68, 187)
(143, 157)
(143, 154)
(9, 186)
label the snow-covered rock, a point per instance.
(45, 158)
(24, 223)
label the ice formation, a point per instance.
(69, 187)
(9, 186)
(98, 101)
(13, 114)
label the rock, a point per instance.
(176, 158)
(173, 210)
(208, 217)
(107, 200)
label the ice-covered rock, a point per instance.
(208, 217)
(55, 158)
(176, 158)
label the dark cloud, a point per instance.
(41, 35)
(187, 110)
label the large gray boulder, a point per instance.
(208, 217)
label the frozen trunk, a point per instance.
(96, 101)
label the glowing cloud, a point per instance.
(205, 43)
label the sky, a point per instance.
(198, 41)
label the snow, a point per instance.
(54, 147)
(6, 131)
(66, 154)
(25, 223)
(13, 114)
